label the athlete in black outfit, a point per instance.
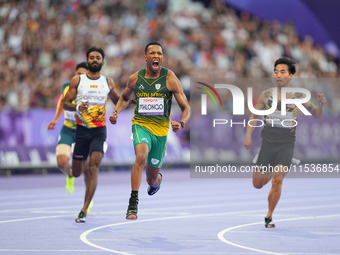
(278, 140)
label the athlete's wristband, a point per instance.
(77, 108)
(182, 124)
(115, 112)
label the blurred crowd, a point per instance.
(43, 40)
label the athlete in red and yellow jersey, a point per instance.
(90, 93)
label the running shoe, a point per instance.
(269, 222)
(81, 217)
(153, 190)
(69, 186)
(132, 210)
(89, 209)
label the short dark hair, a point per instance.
(287, 61)
(94, 48)
(152, 43)
(81, 65)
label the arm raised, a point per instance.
(317, 111)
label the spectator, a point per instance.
(39, 41)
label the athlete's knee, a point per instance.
(257, 184)
(76, 173)
(260, 179)
(141, 159)
(77, 168)
(63, 162)
(277, 182)
(92, 170)
(63, 165)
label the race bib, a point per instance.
(70, 116)
(283, 121)
(151, 106)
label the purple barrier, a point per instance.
(25, 140)
(316, 139)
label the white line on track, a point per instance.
(33, 218)
(221, 234)
(35, 250)
(83, 236)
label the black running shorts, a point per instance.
(89, 140)
(273, 154)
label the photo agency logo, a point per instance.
(204, 97)
(280, 112)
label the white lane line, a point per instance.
(34, 250)
(221, 234)
(83, 236)
(103, 213)
(118, 204)
(326, 233)
(184, 207)
(33, 218)
(150, 211)
(139, 252)
(115, 212)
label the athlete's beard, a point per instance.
(94, 69)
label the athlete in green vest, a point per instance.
(153, 88)
(67, 134)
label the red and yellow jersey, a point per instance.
(95, 93)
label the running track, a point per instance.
(187, 216)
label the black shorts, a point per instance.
(89, 140)
(273, 154)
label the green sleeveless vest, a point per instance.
(153, 103)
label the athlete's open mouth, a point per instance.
(155, 63)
